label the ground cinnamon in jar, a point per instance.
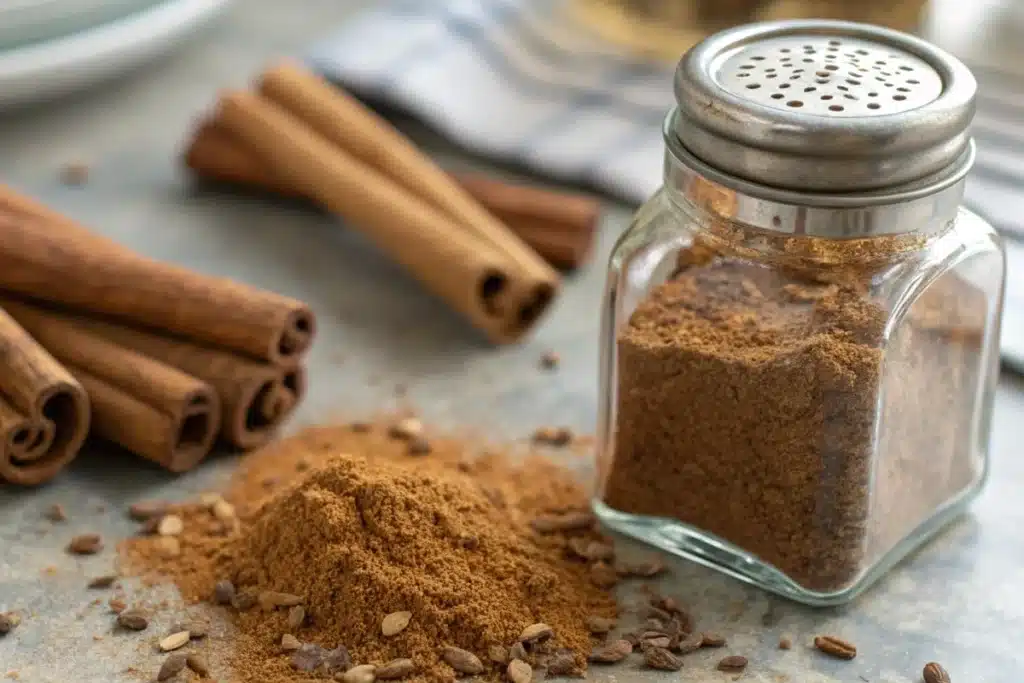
(358, 529)
(750, 405)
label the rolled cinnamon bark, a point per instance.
(350, 126)
(559, 226)
(48, 256)
(477, 280)
(256, 398)
(44, 411)
(148, 407)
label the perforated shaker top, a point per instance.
(823, 106)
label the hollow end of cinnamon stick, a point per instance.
(263, 407)
(34, 450)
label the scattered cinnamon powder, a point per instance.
(362, 530)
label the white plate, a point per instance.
(23, 22)
(56, 67)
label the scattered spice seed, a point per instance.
(271, 600)
(462, 661)
(175, 641)
(600, 625)
(602, 575)
(519, 671)
(498, 654)
(364, 673)
(405, 429)
(170, 525)
(549, 360)
(223, 510)
(308, 657)
(85, 544)
(74, 173)
(360, 427)
(290, 643)
(610, 653)
(660, 658)
(223, 592)
(171, 667)
(732, 663)
(935, 673)
(55, 513)
(296, 617)
(785, 643)
(101, 582)
(168, 547)
(198, 664)
(564, 522)
(7, 623)
(395, 623)
(684, 645)
(419, 445)
(395, 669)
(835, 647)
(712, 640)
(133, 620)
(535, 633)
(117, 605)
(147, 509)
(642, 570)
(553, 436)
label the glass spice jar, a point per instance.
(800, 342)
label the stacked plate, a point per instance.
(51, 47)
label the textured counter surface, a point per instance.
(958, 601)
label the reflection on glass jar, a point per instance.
(798, 384)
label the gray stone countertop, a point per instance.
(959, 600)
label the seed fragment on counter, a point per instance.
(101, 582)
(395, 623)
(198, 664)
(661, 658)
(223, 592)
(170, 525)
(55, 513)
(175, 641)
(85, 544)
(463, 661)
(296, 617)
(732, 663)
(8, 622)
(609, 653)
(536, 633)
(785, 643)
(290, 643)
(553, 436)
(519, 671)
(395, 669)
(405, 429)
(133, 620)
(147, 509)
(171, 667)
(712, 640)
(935, 673)
(364, 673)
(835, 647)
(117, 605)
(223, 510)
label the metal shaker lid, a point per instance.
(823, 106)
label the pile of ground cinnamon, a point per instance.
(355, 526)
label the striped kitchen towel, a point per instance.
(515, 81)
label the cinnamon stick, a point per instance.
(148, 407)
(49, 257)
(44, 412)
(477, 280)
(348, 125)
(256, 398)
(559, 226)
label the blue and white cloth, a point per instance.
(513, 81)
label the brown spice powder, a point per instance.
(749, 399)
(368, 530)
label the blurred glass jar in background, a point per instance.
(663, 29)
